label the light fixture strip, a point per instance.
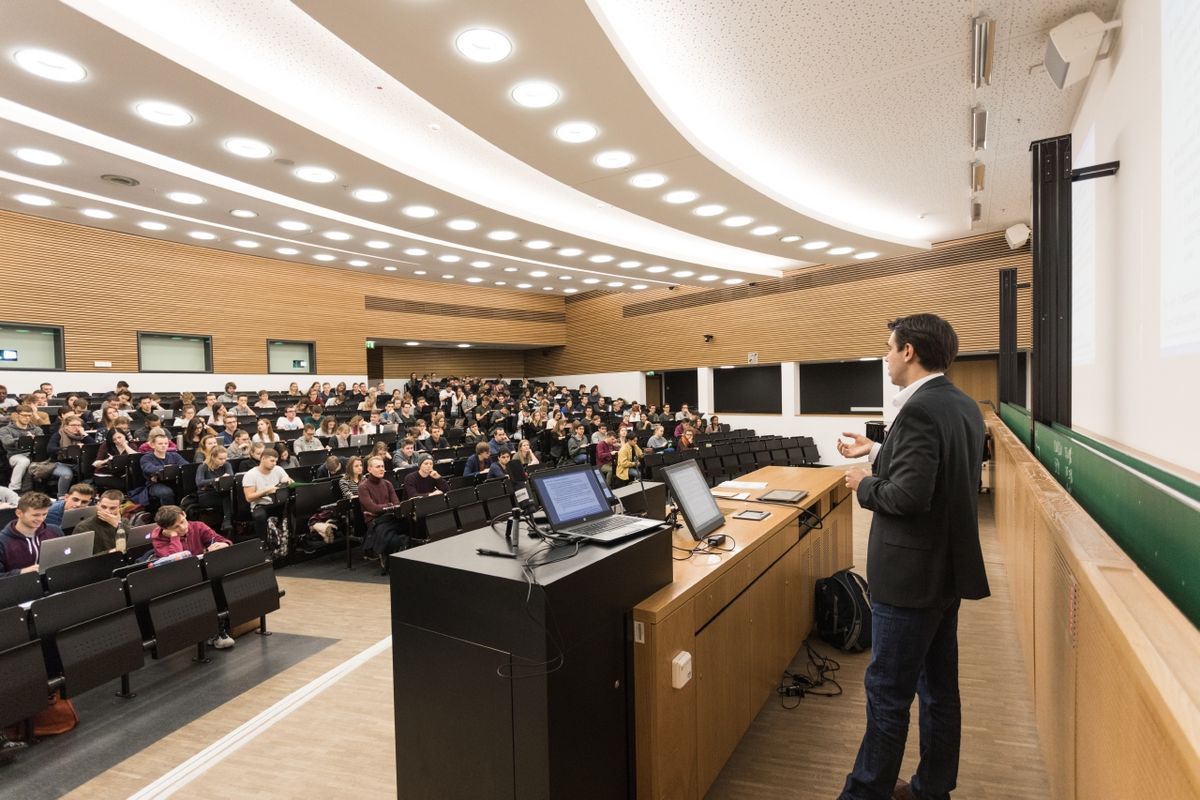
(984, 42)
(978, 175)
(979, 120)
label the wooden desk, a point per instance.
(742, 616)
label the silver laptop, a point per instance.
(66, 549)
(73, 516)
(576, 506)
(359, 440)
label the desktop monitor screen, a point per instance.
(692, 495)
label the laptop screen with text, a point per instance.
(570, 495)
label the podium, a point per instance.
(510, 689)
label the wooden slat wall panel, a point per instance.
(822, 322)
(977, 378)
(400, 362)
(102, 287)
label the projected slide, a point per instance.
(1179, 330)
(1083, 258)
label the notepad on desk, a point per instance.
(731, 495)
(743, 485)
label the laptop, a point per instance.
(73, 516)
(359, 440)
(65, 549)
(575, 506)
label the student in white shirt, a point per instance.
(260, 486)
(289, 421)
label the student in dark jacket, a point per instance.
(480, 462)
(21, 540)
(426, 480)
(499, 466)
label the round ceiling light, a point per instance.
(464, 345)
(683, 273)
(246, 147)
(249, 244)
(538, 244)
(243, 213)
(376, 244)
(710, 210)
(419, 212)
(657, 268)
(569, 290)
(591, 281)
(43, 158)
(448, 277)
(315, 174)
(637, 287)
(419, 272)
(390, 268)
(293, 225)
(817, 245)
(371, 195)
(731, 281)
(709, 278)
(150, 225)
(535, 94)
(474, 279)
(648, 180)
(48, 64)
(483, 45)
(34, 200)
(161, 112)
(502, 236)
(500, 283)
(840, 251)
(737, 221)
(481, 264)
(450, 258)
(287, 251)
(680, 196)
(538, 273)
(570, 252)
(337, 236)
(629, 264)
(576, 132)
(511, 269)
(765, 230)
(524, 285)
(97, 213)
(615, 284)
(325, 257)
(613, 159)
(358, 262)
(412, 344)
(791, 237)
(600, 259)
(204, 236)
(865, 254)
(416, 251)
(187, 198)
(462, 224)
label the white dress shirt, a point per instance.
(899, 400)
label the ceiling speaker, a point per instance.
(1017, 235)
(1073, 47)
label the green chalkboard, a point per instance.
(1157, 526)
(1181, 485)
(1018, 421)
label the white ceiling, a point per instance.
(837, 122)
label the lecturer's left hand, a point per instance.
(855, 475)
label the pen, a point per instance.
(483, 551)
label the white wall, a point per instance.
(24, 382)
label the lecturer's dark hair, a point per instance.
(933, 339)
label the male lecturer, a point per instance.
(922, 558)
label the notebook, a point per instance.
(575, 506)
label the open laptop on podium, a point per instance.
(576, 506)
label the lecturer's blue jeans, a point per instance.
(914, 651)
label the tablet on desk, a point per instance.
(752, 514)
(784, 496)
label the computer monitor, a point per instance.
(700, 511)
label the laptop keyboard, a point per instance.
(600, 526)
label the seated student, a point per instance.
(146, 447)
(389, 416)
(436, 440)
(601, 433)
(341, 437)
(260, 486)
(499, 466)
(605, 450)
(375, 496)
(110, 530)
(480, 462)
(473, 434)
(658, 441)
(208, 477)
(308, 442)
(175, 534)
(332, 468)
(70, 434)
(499, 440)
(116, 443)
(629, 459)
(77, 496)
(230, 395)
(406, 455)
(229, 429)
(21, 540)
(208, 409)
(264, 400)
(185, 416)
(156, 492)
(264, 432)
(577, 445)
(17, 438)
(289, 421)
(239, 448)
(685, 439)
(426, 480)
(242, 408)
(348, 483)
(714, 424)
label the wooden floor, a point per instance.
(340, 742)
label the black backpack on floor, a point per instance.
(843, 611)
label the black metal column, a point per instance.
(1052, 280)
(1010, 390)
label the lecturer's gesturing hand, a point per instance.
(858, 447)
(855, 475)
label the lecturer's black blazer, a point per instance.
(924, 490)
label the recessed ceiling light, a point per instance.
(358, 262)
(538, 273)
(537, 244)
(817, 245)
(629, 264)
(570, 252)
(419, 272)
(416, 251)
(34, 200)
(710, 210)
(412, 344)
(524, 285)
(247, 148)
(163, 113)
(450, 258)
(376, 244)
(502, 236)
(791, 237)
(448, 277)
(293, 225)
(547, 288)
(727, 366)
(535, 94)
(325, 257)
(43, 158)
(152, 226)
(97, 213)
(600, 259)
(648, 180)
(474, 279)
(683, 273)
(499, 283)
(243, 213)
(615, 284)
(865, 254)
(371, 195)
(737, 221)
(840, 251)
(591, 280)
(565, 278)
(187, 198)
(202, 235)
(462, 224)
(419, 212)
(48, 64)
(249, 244)
(483, 45)
(315, 174)
(613, 159)
(765, 230)
(286, 251)
(731, 281)
(337, 236)
(569, 290)
(680, 196)
(388, 268)
(481, 264)
(576, 132)
(657, 268)
(707, 278)
(637, 287)
(510, 269)
(464, 345)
